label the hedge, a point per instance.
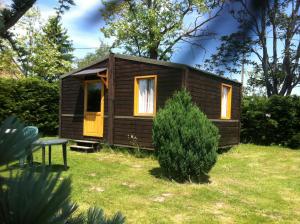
(33, 101)
(274, 120)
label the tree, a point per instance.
(152, 28)
(23, 43)
(43, 50)
(47, 60)
(10, 16)
(8, 65)
(51, 54)
(102, 51)
(54, 33)
(23, 46)
(272, 47)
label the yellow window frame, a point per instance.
(229, 101)
(136, 95)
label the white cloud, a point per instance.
(79, 10)
(46, 11)
(81, 37)
(82, 40)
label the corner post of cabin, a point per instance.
(111, 98)
(59, 108)
(185, 72)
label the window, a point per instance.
(226, 92)
(145, 95)
(93, 96)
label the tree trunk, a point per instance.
(275, 58)
(287, 60)
(265, 58)
(14, 17)
(153, 53)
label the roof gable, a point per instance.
(149, 61)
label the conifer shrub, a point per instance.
(185, 140)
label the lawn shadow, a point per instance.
(157, 172)
(55, 168)
(38, 167)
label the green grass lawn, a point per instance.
(249, 184)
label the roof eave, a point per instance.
(150, 61)
(82, 68)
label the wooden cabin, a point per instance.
(114, 100)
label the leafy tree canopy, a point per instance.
(152, 28)
(9, 16)
(43, 51)
(54, 33)
(8, 65)
(102, 51)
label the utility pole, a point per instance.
(243, 70)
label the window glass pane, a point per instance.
(150, 102)
(93, 97)
(146, 96)
(225, 91)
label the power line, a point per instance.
(85, 48)
(91, 48)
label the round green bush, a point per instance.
(294, 142)
(185, 140)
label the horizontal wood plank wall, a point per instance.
(206, 93)
(72, 107)
(168, 80)
(229, 132)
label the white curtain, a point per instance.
(146, 96)
(224, 111)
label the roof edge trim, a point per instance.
(150, 61)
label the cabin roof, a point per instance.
(149, 61)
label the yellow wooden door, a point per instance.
(93, 108)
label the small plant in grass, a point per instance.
(185, 140)
(133, 140)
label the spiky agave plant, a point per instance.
(36, 197)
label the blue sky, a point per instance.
(84, 32)
(83, 23)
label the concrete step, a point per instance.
(86, 142)
(80, 147)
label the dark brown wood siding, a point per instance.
(206, 93)
(168, 81)
(229, 132)
(72, 107)
(205, 90)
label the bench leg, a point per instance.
(43, 154)
(64, 146)
(49, 154)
